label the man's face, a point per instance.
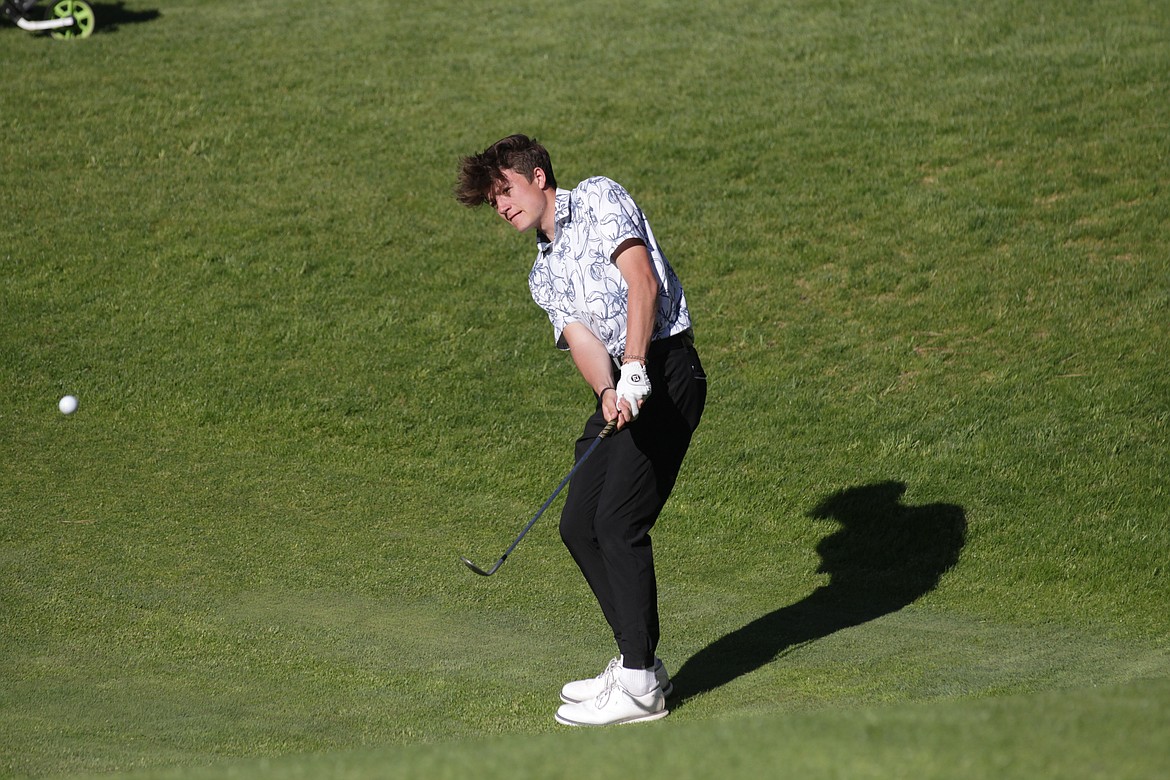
(519, 201)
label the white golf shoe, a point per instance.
(614, 705)
(584, 690)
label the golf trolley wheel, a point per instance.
(82, 14)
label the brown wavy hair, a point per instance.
(479, 173)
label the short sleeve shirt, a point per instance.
(575, 278)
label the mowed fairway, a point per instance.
(923, 531)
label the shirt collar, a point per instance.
(563, 215)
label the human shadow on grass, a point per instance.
(882, 557)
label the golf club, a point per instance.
(606, 431)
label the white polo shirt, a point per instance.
(575, 278)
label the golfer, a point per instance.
(617, 306)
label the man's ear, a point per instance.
(538, 177)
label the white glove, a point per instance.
(634, 386)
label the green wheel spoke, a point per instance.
(83, 18)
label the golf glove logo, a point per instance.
(634, 386)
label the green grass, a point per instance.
(923, 527)
(1111, 732)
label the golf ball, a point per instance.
(67, 404)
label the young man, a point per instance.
(617, 306)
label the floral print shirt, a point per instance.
(575, 278)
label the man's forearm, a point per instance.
(590, 357)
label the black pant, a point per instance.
(616, 496)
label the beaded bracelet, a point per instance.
(633, 359)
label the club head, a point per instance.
(478, 570)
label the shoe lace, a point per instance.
(611, 682)
(611, 669)
(609, 679)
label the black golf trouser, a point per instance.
(616, 496)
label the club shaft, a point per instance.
(606, 431)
